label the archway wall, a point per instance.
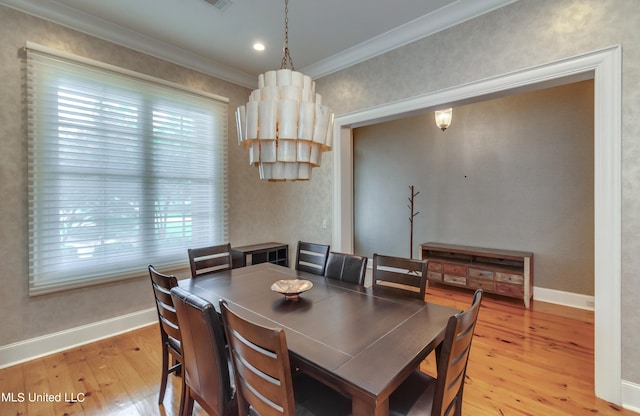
(522, 35)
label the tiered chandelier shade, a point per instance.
(285, 126)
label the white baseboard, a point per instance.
(542, 294)
(26, 350)
(22, 351)
(631, 396)
(575, 300)
(29, 349)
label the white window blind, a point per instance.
(124, 171)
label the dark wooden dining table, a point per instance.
(361, 342)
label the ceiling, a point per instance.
(324, 35)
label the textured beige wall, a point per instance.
(28, 317)
(522, 35)
(513, 173)
(526, 33)
(259, 211)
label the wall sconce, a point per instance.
(443, 118)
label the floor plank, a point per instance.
(13, 386)
(527, 362)
(535, 362)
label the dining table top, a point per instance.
(360, 341)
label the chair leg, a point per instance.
(177, 367)
(182, 393)
(438, 354)
(243, 407)
(186, 402)
(165, 373)
(458, 409)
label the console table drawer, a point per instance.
(455, 269)
(482, 284)
(504, 272)
(456, 280)
(434, 276)
(510, 290)
(480, 274)
(509, 278)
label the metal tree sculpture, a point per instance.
(411, 216)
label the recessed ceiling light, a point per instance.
(258, 46)
(220, 4)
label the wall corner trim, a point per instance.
(573, 300)
(21, 351)
(631, 396)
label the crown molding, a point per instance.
(441, 19)
(422, 27)
(102, 29)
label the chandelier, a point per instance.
(284, 125)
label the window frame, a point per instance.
(39, 281)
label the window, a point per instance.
(124, 171)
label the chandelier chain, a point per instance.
(286, 59)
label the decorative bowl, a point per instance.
(291, 288)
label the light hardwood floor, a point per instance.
(536, 362)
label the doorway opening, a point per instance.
(604, 67)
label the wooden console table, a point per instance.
(276, 253)
(504, 272)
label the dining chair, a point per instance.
(421, 394)
(400, 276)
(210, 259)
(312, 257)
(206, 362)
(169, 329)
(346, 268)
(265, 384)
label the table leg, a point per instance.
(361, 407)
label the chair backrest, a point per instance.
(261, 365)
(400, 276)
(453, 358)
(206, 368)
(311, 257)
(162, 284)
(210, 259)
(346, 267)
